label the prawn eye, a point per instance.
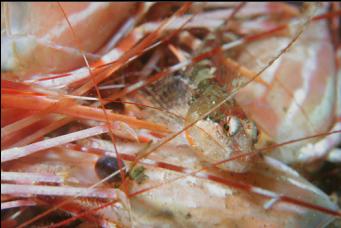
(232, 125)
(106, 166)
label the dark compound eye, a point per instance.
(106, 166)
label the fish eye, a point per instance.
(106, 166)
(232, 125)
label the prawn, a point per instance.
(183, 150)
